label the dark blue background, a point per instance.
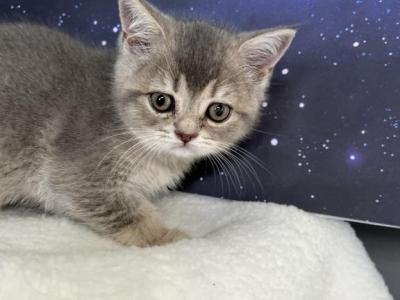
(333, 113)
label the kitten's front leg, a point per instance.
(129, 222)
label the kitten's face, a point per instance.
(190, 89)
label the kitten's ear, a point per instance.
(141, 28)
(262, 50)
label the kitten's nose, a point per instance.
(185, 137)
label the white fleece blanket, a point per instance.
(239, 251)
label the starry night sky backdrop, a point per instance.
(330, 134)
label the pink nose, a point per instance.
(184, 137)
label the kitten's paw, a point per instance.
(148, 233)
(171, 236)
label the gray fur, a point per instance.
(78, 136)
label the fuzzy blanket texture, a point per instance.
(239, 250)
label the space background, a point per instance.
(329, 138)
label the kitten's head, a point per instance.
(190, 89)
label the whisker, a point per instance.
(231, 169)
(227, 174)
(267, 132)
(241, 160)
(252, 157)
(130, 165)
(209, 159)
(213, 159)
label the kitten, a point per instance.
(96, 135)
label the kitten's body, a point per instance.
(68, 138)
(56, 120)
(52, 88)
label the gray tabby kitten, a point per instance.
(96, 135)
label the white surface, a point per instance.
(240, 251)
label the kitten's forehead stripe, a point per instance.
(199, 53)
(176, 83)
(214, 89)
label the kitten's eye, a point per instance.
(162, 103)
(218, 112)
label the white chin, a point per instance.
(187, 151)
